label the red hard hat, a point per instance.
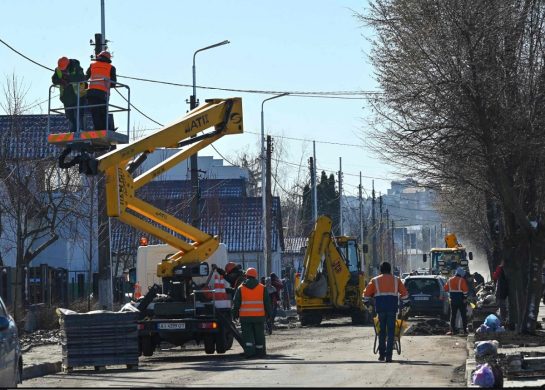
(230, 267)
(105, 54)
(63, 63)
(252, 272)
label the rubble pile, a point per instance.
(426, 327)
(39, 337)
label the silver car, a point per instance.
(11, 358)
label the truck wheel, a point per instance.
(360, 317)
(310, 319)
(209, 344)
(147, 346)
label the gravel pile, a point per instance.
(39, 337)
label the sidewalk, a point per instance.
(506, 350)
(42, 360)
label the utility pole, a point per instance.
(268, 210)
(360, 198)
(403, 249)
(381, 229)
(340, 196)
(374, 223)
(105, 280)
(314, 189)
(387, 235)
(393, 244)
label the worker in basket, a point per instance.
(386, 289)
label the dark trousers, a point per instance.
(387, 323)
(253, 335)
(98, 113)
(71, 112)
(454, 308)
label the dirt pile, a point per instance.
(432, 326)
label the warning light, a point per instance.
(143, 241)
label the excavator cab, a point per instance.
(87, 141)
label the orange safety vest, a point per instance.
(99, 72)
(252, 301)
(461, 288)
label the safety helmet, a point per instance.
(251, 272)
(63, 63)
(230, 267)
(105, 54)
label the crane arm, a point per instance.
(225, 117)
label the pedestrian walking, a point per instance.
(502, 291)
(386, 289)
(102, 76)
(457, 288)
(252, 305)
(69, 76)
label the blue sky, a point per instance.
(281, 45)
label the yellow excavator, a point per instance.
(332, 280)
(183, 316)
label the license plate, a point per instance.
(421, 298)
(171, 325)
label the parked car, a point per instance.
(427, 296)
(11, 357)
(404, 275)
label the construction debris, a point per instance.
(426, 327)
(39, 337)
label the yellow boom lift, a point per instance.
(183, 317)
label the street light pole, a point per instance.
(193, 103)
(263, 182)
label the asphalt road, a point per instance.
(336, 354)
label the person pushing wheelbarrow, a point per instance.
(386, 289)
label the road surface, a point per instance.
(336, 354)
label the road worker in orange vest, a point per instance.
(458, 290)
(253, 305)
(233, 273)
(102, 76)
(386, 289)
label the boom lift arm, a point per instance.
(322, 252)
(225, 116)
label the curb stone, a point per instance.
(41, 369)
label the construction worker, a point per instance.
(101, 76)
(252, 304)
(233, 273)
(457, 288)
(69, 76)
(386, 289)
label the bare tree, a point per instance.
(464, 84)
(36, 198)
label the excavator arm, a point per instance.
(216, 118)
(323, 259)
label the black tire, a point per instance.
(209, 344)
(310, 319)
(224, 341)
(446, 316)
(360, 317)
(147, 346)
(397, 345)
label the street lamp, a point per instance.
(195, 215)
(263, 183)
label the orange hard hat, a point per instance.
(63, 63)
(251, 272)
(105, 54)
(230, 267)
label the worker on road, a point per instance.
(233, 273)
(102, 76)
(386, 289)
(458, 290)
(68, 75)
(252, 304)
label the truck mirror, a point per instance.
(204, 269)
(365, 248)
(470, 255)
(424, 257)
